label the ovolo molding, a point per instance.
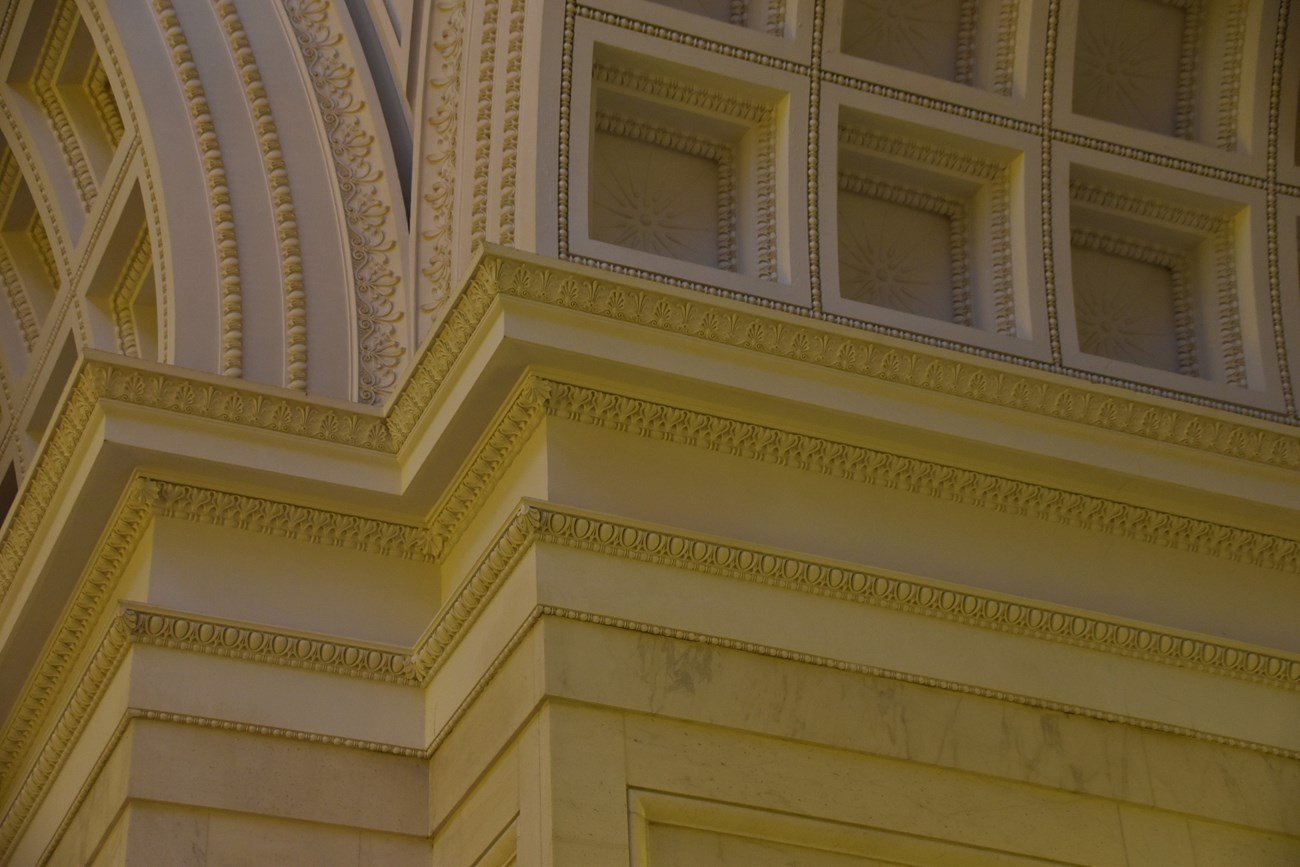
(531, 524)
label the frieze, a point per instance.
(842, 581)
(287, 521)
(533, 522)
(904, 677)
(260, 644)
(147, 499)
(962, 376)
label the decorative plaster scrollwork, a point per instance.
(1134, 58)
(440, 153)
(664, 547)
(681, 92)
(207, 400)
(1098, 196)
(473, 594)
(29, 712)
(223, 218)
(924, 153)
(1216, 234)
(935, 38)
(1004, 73)
(759, 117)
(99, 380)
(648, 206)
(534, 523)
(1230, 95)
(522, 412)
(1225, 278)
(375, 269)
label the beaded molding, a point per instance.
(218, 189)
(126, 289)
(43, 84)
(510, 121)
(282, 208)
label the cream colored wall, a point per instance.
(408, 548)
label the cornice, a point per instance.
(99, 380)
(536, 522)
(153, 626)
(749, 327)
(515, 422)
(891, 674)
(134, 714)
(842, 460)
(824, 577)
(741, 327)
(147, 499)
(66, 728)
(285, 520)
(533, 523)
